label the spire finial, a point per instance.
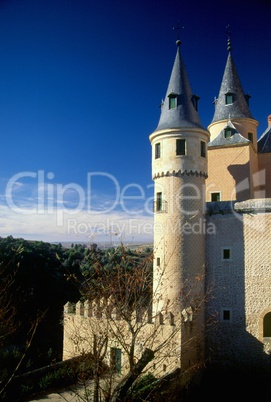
(229, 38)
(178, 28)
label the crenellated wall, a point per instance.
(85, 321)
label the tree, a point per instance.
(11, 358)
(33, 291)
(116, 309)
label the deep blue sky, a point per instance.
(80, 86)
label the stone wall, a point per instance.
(239, 286)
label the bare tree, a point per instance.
(10, 322)
(116, 312)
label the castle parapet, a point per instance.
(104, 309)
(254, 205)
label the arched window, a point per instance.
(267, 325)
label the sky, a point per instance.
(81, 82)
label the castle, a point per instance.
(212, 227)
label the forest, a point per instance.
(37, 280)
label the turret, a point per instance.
(264, 156)
(233, 104)
(179, 169)
(232, 150)
(264, 142)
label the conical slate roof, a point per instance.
(185, 113)
(264, 142)
(231, 85)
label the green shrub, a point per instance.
(143, 387)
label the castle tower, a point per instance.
(264, 157)
(179, 169)
(232, 151)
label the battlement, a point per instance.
(105, 309)
(257, 205)
(254, 205)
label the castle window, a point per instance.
(267, 325)
(161, 318)
(158, 202)
(158, 261)
(171, 319)
(157, 150)
(203, 149)
(250, 137)
(226, 315)
(247, 97)
(195, 100)
(159, 205)
(226, 254)
(172, 102)
(172, 99)
(216, 197)
(229, 98)
(228, 132)
(181, 147)
(115, 360)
